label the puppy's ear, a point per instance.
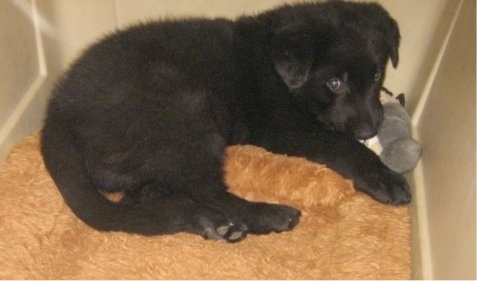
(292, 53)
(393, 38)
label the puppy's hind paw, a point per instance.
(227, 233)
(222, 229)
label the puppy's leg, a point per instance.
(346, 156)
(203, 182)
(217, 215)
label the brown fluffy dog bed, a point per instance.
(342, 234)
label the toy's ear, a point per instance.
(292, 53)
(402, 99)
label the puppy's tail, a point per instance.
(66, 167)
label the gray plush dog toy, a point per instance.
(394, 143)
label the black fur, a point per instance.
(148, 111)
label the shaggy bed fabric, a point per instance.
(342, 234)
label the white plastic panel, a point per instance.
(19, 67)
(21, 71)
(447, 172)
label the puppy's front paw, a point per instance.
(385, 186)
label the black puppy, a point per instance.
(148, 112)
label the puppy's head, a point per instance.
(332, 57)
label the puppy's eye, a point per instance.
(337, 86)
(377, 76)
